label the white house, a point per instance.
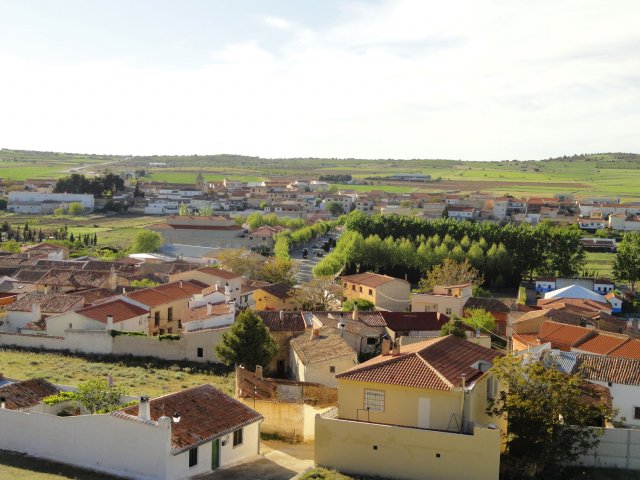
(112, 315)
(620, 375)
(33, 202)
(30, 311)
(575, 291)
(207, 430)
(208, 316)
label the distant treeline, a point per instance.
(101, 187)
(335, 178)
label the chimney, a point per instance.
(164, 422)
(124, 291)
(144, 408)
(354, 315)
(113, 280)
(396, 347)
(3, 403)
(180, 283)
(217, 285)
(209, 308)
(109, 322)
(386, 346)
(35, 311)
(259, 372)
(281, 315)
(315, 333)
(227, 290)
(46, 289)
(634, 325)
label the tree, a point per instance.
(626, 265)
(58, 212)
(11, 246)
(479, 319)
(98, 397)
(550, 416)
(335, 208)
(363, 305)
(205, 212)
(144, 283)
(76, 208)
(146, 241)
(279, 270)
(450, 272)
(320, 294)
(183, 209)
(453, 327)
(248, 342)
(242, 261)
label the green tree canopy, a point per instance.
(76, 208)
(248, 342)
(97, 397)
(550, 416)
(146, 241)
(364, 305)
(453, 327)
(479, 318)
(450, 272)
(335, 208)
(626, 265)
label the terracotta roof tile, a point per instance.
(168, 292)
(75, 278)
(205, 413)
(563, 336)
(26, 394)
(203, 311)
(119, 309)
(279, 290)
(327, 345)
(421, 321)
(437, 364)
(49, 303)
(282, 322)
(602, 368)
(603, 344)
(488, 304)
(370, 279)
(631, 349)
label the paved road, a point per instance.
(278, 461)
(306, 265)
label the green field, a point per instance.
(137, 376)
(608, 174)
(599, 263)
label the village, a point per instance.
(380, 378)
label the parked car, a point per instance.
(319, 254)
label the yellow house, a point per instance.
(386, 293)
(278, 296)
(415, 412)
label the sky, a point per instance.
(465, 79)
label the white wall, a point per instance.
(98, 442)
(624, 399)
(618, 448)
(320, 372)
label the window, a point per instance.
(492, 388)
(371, 340)
(360, 289)
(353, 287)
(448, 311)
(636, 412)
(200, 352)
(170, 330)
(237, 437)
(370, 292)
(345, 285)
(373, 400)
(332, 369)
(193, 457)
(170, 314)
(156, 319)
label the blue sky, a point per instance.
(478, 80)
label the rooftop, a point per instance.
(49, 302)
(370, 279)
(437, 363)
(118, 309)
(282, 321)
(327, 345)
(26, 394)
(169, 292)
(205, 413)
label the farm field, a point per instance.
(606, 175)
(137, 376)
(112, 230)
(599, 263)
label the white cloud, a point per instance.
(405, 79)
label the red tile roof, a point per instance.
(203, 311)
(169, 292)
(601, 368)
(49, 303)
(434, 364)
(370, 279)
(205, 413)
(119, 309)
(282, 321)
(28, 393)
(421, 321)
(563, 336)
(631, 349)
(603, 344)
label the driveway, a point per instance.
(306, 265)
(278, 461)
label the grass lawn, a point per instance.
(18, 466)
(137, 376)
(600, 263)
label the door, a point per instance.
(424, 411)
(215, 454)
(281, 368)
